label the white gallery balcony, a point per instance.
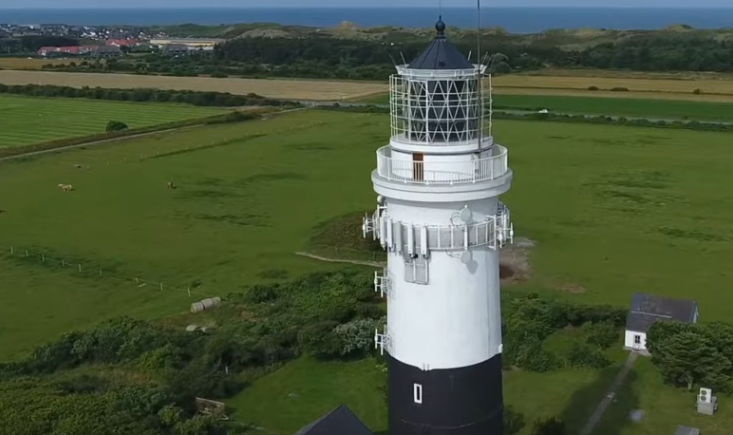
(441, 169)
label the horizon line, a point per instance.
(102, 7)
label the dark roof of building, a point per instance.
(684, 430)
(441, 54)
(340, 421)
(108, 49)
(648, 309)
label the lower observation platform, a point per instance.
(442, 178)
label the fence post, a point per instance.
(161, 286)
(43, 258)
(26, 253)
(79, 267)
(189, 292)
(100, 272)
(12, 251)
(137, 281)
(63, 264)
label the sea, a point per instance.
(515, 20)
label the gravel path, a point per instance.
(608, 399)
(339, 260)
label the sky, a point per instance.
(70, 4)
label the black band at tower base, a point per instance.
(461, 401)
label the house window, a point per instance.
(637, 339)
(417, 393)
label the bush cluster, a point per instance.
(693, 354)
(529, 321)
(74, 385)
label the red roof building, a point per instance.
(122, 42)
(73, 50)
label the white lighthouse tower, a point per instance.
(440, 220)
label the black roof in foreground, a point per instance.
(441, 54)
(340, 421)
(648, 309)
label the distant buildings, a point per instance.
(106, 51)
(190, 43)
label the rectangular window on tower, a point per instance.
(417, 393)
(416, 270)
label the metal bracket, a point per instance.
(382, 283)
(381, 341)
(504, 226)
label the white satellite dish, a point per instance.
(465, 215)
(466, 257)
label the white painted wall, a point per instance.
(629, 340)
(455, 320)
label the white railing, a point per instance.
(442, 172)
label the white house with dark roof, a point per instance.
(649, 309)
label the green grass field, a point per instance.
(30, 120)
(615, 210)
(640, 108)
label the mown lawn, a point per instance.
(614, 210)
(636, 107)
(30, 120)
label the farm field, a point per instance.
(30, 120)
(650, 109)
(718, 90)
(582, 83)
(614, 210)
(23, 63)
(284, 89)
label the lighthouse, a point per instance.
(441, 223)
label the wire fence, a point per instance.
(89, 270)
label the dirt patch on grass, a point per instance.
(574, 289)
(514, 263)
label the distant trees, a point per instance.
(195, 98)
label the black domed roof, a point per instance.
(441, 53)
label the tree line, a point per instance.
(367, 59)
(195, 98)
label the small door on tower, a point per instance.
(417, 167)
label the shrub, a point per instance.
(583, 355)
(619, 89)
(514, 421)
(548, 426)
(697, 92)
(533, 357)
(603, 335)
(113, 126)
(357, 337)
(593, 88)
(320, 340)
